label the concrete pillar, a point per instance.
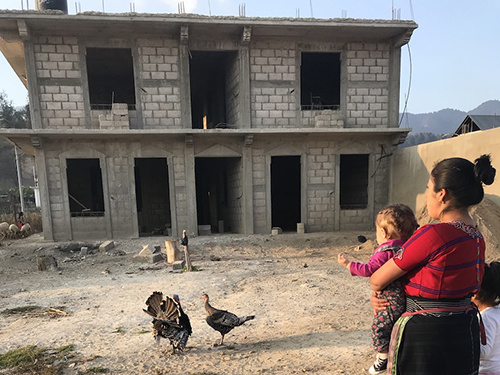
(394, 86)
(31, 77)
(248, 224)
(303, 189)
(336, 192)
(185, 86)
(189, 162)
(43, 183)
(138, 86)
(244, 97)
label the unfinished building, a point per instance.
(151, 122)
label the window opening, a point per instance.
(86, 197)
(320, 80)
(214, 80)
(353, 181)
(110, 74)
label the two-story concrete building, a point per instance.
(143, 122)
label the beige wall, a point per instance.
(411, 166)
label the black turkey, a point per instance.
(221, 320)
(169, 320)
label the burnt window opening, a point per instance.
(320, 80)
(110, 74)
(85, 192)
(353, 182)
(214, 82)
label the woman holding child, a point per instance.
(441, 267)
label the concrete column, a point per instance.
(248, 224)
(31, 77)
(269, 205)
(303, 189)
(191, 188)
(244, 97)
(43, 184)
(138, 87)
(336, 192)
(185, 86)
(394, 86)
(173, 202)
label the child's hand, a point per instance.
(343, 260)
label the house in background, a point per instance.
(147, 121)
(473, 123)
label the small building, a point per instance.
(176, 121)
(473, 123)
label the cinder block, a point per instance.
(178, 265)
(147, 250)
(152, 258)
(105, 246)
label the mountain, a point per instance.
(445, 121)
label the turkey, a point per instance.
(222, 321)
(169, 320)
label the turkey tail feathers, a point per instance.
(164, 308)
(244, 319)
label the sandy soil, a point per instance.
(312, 316)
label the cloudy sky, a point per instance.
(455, 52)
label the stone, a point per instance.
(106, 246)
(147, 250)
(84, 250)
(148, 258)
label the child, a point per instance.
(394, 225)
(488, 300)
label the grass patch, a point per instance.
(21, 356)
(193, 269)
(21, 310)
(35, 360)
(143, 331)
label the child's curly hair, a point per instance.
(398, 220)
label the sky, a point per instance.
(452, 60)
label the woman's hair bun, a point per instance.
(483, 170)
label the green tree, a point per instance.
(10, 117)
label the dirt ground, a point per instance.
(311, 315)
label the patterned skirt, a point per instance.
(437, 341)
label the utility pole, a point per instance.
(18, 166)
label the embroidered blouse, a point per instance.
(444, 260)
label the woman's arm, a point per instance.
(385, 275)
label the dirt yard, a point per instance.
(311, 315)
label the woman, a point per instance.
(441, 266)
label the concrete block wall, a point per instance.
(272, 84)
(120, 203)
(355, 220)
(234, 218)
(233, 114)
(85, 228)
(320, 179)
(181, 198)
(367, 85)
(260, 204)
(58, 72)
(159, 67)
(55, 189)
